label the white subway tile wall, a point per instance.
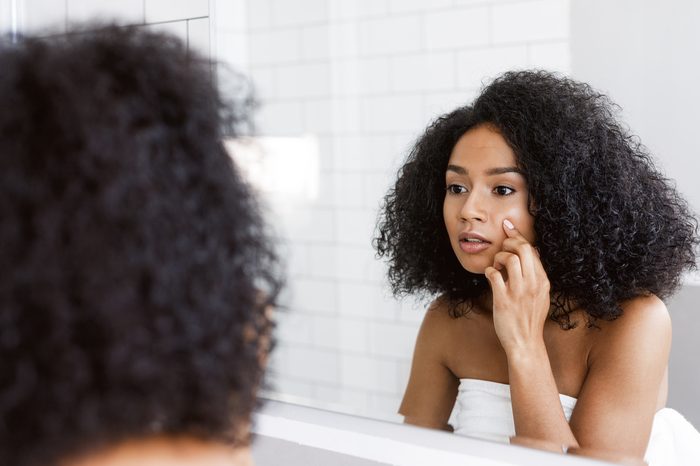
(44, 16)
(457, 28)
(362, 78)
(187, 19)
(198, 35)
(365, 77)
(176, 28)
(123, 11)
(157, 11)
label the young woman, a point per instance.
(550, 240)
(136, 272)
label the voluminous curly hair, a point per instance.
(136, 266)
(609, 226)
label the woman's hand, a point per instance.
(520, 290)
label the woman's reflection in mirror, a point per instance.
(548, 240)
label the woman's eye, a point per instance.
(456, 189)
(503, 190)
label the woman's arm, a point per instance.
(521, 303)
(617, 401)
(537, 410)
(432, 388)
(627, 368)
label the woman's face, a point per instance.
(483, 188)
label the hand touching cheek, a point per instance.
(520, 290)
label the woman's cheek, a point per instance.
(523, 221)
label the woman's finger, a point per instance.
(510, 262)
(518, 244)
(495, 278)
(526, 253)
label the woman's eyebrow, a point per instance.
(490, 172)
(501, 170)
(457, 169)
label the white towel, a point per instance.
(483, 410)
(673, 441)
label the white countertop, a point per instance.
(306, 436)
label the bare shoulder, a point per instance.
(444, 328)
(644, 319)
(647, 308)
(438, 313)
(432, 387)
(640, 313)
(466, 345)
(625, 381)
(437, 325)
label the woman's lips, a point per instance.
(477, 244)
(473, 247)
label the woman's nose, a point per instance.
(474, 208)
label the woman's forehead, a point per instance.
(482, 148)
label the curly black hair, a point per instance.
(609, 226)
(137, 270)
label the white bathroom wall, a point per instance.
(188, 19)
(345, 88)
(644, 54)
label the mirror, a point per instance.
(346, 87)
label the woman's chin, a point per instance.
(474, 263)
(477, 269)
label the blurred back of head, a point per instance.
(135, 265)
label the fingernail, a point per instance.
(509, 225)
